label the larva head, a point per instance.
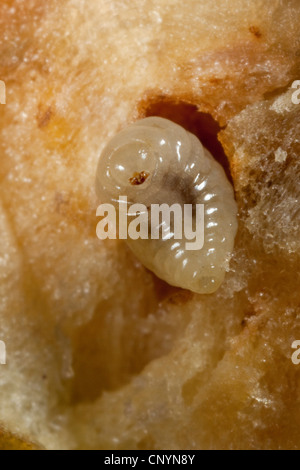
(137, 161)
(156, 162)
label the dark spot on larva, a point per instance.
(139, 178)
(255, 31)
(183, 185)
(44, 117)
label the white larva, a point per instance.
(155, 161)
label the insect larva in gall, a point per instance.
(155, 162)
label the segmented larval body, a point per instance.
(155, 162)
